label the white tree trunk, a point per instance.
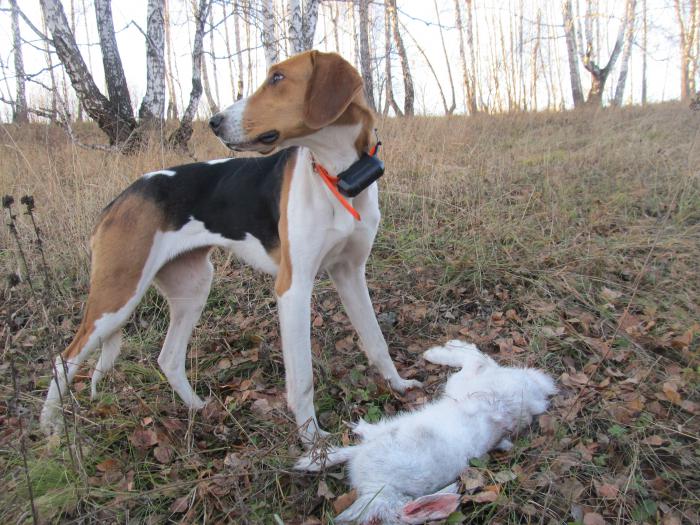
(630, 16)
(570, 33)
(294, 25)
(114, 72)
(19, 111)
(239, 52)
(269, 36)
(153, 104)
(181, 136)
(108, 118)
(365, 58)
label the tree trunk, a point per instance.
(153, 103)
(268, 36)
(533, 62)
(644, 52)
(451, 109)
(409, 96)
(172, 95)
(117, 88)
(108, 117)
(570, 34)
(365, 58)
(471, 71)
(19, 111)
(390, 101)
(181, 136)
(239, 53)
(227, 42)
(629, 40)
(688, 29)
(294, 27)
(308, 24)
(600, 75)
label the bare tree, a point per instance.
(153, 103)
(390, 100)
(172, 97)
(269, 37)
(115, 79)
(600, 75)
(450, 110)
(19, 110)
(644, 52)
(365, 58)
(302, 24)
(687, 17)
(409, 96)
(625, 60)
(181, 136)
(111, 117)
(570, 34)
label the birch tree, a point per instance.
(153, 103)
(390, 100)
(365, 57)
(269, 36)
(409, 96)
(302, 24)
(687, 18)
(19, 109)
(111, 116)
(625, 60)
(115, 79)
(572, 54)
(181, 136)
(600, 75)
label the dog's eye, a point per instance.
(276, 77)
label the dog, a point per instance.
(417, 453)
(276, 213)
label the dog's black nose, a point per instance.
(215, 121)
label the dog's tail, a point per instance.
(317, 459)
(458, 354)
(390, 507)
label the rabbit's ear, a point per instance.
(429, 508)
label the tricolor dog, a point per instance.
(276, 213)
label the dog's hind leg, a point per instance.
(108, 355)
(125, 258)
(185, 282)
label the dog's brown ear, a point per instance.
(333, 85)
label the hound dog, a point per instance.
(276, 213)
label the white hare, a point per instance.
(402, 461)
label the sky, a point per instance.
(419, 18)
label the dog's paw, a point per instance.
(401, 385)
(51, 421)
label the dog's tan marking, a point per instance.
(317, 89)
(121, 244)
(284, 275)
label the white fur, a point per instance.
(217, 161)
(231, 127)
(167, 173)
(417, 453)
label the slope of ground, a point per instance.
(566, 241)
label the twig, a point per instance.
(7, 202)
(28, 202)
(22, 446)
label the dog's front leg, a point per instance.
(349, 280)
(295, 326)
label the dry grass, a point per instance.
(568, 241)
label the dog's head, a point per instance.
(299, 96)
